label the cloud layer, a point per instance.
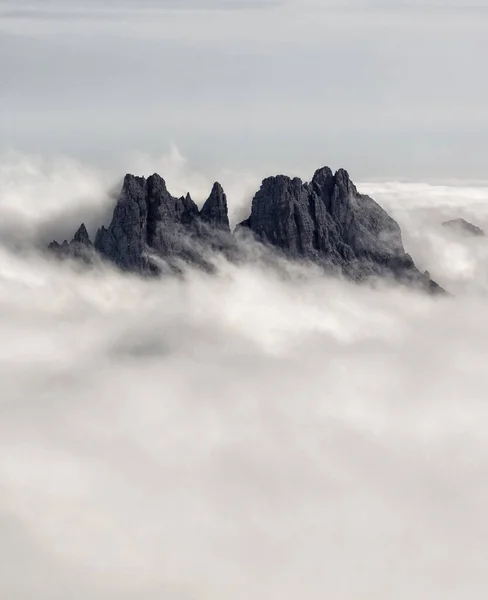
(243, 435)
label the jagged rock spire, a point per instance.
(149, 220)
(215, 211)
(79, 247)
(81, 236)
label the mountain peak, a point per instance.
(325, 221)
(214, 210)
(328, 222)
(156, 184)
(81, 236)
(131, 181)
(322, 175)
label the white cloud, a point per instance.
(421, 208)
(241, 436)
(41, 198)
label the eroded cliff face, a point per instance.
(326, 221)
(149, 220)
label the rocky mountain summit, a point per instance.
(147, 220)
(326, 221)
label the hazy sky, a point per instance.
(242, 435)
(388, 89)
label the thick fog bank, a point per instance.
(240, 435)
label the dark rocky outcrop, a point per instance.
(148, 220)
(464, 227)
(325, 221)
(328, 222)
(214, 211)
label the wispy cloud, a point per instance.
(89, 9)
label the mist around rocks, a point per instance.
(241, 434)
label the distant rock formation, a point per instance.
(79, 247)
(464, 227)
(325, 221)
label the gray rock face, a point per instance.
(325, 221)
(328, 222)
(465, 227)
(81, 236)
(149, 220)
(214, 211)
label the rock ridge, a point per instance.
(326, 221)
